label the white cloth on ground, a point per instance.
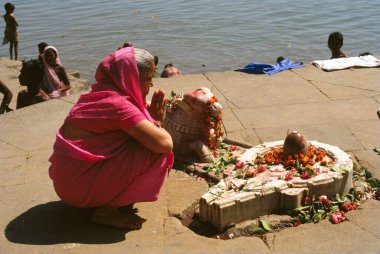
(348, 62)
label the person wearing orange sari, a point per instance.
(110, 152)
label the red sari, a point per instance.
(109, 167)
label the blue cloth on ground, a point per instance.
(260, 68)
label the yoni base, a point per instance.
(222, 208)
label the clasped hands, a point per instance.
(157, 106)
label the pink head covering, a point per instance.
(119, 72)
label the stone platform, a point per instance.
(268, 192)
(332, 107)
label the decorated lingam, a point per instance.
(194, 120)
(276, 176)
(295, 143)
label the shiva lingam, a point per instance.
(284, 173)
(194, 120)
(295, 143)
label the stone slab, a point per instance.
(249, 90)
(181, 240)
(363, 78)
(8, 150)
(367, 132)
(13, 170)
(37, 168)
(247, 137)
(230, 121)
(363, 218)
(309, 113)
(34, 128)
(325, 238)
(179, 203)
(336, 133)
(341, 92)
(370, 160)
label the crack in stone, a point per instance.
(227, 101)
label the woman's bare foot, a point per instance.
(111, 216)
(128, 209)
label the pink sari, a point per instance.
(51, 80)
(108, 168)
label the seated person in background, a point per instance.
(156, 64)
(280, 58)
(126, 45)
(56, 83)
(41, 46)
(110, 152)
(4, 107)
(31, 75)
(365, 54)
(170, 71)
(335, 43)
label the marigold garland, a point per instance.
(213, 129)
(298, 164)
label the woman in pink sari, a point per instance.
(110, 152)
(56, 83)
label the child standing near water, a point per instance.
(10, 33)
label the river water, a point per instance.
(197, 36)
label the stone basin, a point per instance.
(268, 192)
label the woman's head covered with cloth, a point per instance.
(129, 72)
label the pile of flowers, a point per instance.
(335, 208)
(317, 209)
(298, 164)
(213, 129)
(226, 159)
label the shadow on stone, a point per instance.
(55, 223)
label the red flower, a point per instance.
(250, 173)
(337, 217)
(305, 175)
(239, 164)
(325, 201)
(296, 223)
(308, 200)
(348, 207)
(360, 194)
(209, 119)
(215, 153)
(262, 168)
(289, 176)
(232, 148)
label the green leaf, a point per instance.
(257, 230)
(340, 169)
(266, 225)
(373, 182)
(318, 216)
(172, 94)
(338, 198)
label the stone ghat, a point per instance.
(266, 193)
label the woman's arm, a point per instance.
(155, 139)
(62, 75)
